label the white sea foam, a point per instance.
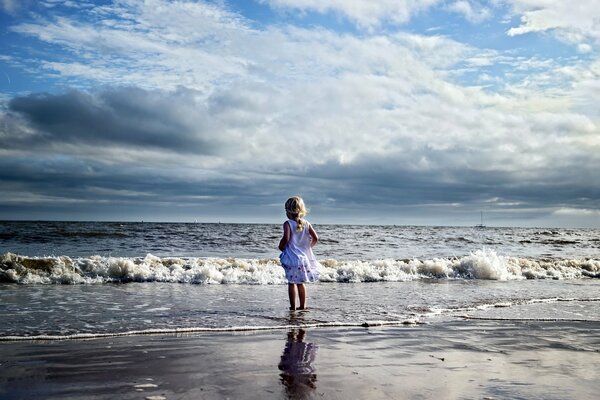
(457, 311)
(482, 264)
(334, 324)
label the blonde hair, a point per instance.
(296, 208)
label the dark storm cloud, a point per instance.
(91, 180)
(83, 189)
(365, 189)
(385, 181)
(124, 117)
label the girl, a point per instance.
(297, 258)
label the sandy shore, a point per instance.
(445, 360)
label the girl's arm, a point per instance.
(287, 233)
(313, 236)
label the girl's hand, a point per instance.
(314, 238)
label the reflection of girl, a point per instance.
(297, 370)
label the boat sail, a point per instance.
(480, 225)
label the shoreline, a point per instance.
(446, 359)
(200, 330)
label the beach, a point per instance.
(456, 359)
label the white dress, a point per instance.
(298, 259)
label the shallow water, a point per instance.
(203, 277)
(63, 311)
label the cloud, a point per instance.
(584, 48)
(152, 44)
(13, 7)
(170, 116)
(364, 13)
(125, 116)
(402, 144)
(570, 22)
(578, 212)
(9, 6)
(473, 12)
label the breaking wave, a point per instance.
(482, 264)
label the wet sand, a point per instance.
(454, 359)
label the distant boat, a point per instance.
(480, 225)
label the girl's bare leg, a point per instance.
(292, 295)
(302, 295)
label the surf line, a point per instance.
(171, 331)
(468, 317)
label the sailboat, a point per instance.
(480, 225)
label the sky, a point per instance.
(409, 112)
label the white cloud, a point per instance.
(573, 22)
(473, 12)
(577, 212)
(158, 44)
(365, 13)
(584, 48)
(268, 82)
(437, 52)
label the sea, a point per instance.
(78, 280)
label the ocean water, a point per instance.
(61, 280)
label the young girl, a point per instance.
(297, 258)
